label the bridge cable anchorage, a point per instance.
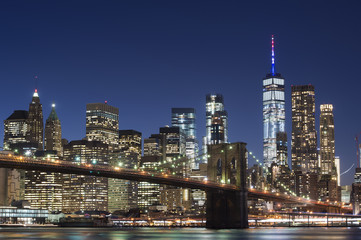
(267, 172)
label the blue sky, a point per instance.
(146, 57)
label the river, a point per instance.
(178, 233)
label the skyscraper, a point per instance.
(16, 128)
(53, 133)
(273, 114)
(185, 119)
(123, 194)
(304, 136)
(44, 190)
(35, 121)
(85, 192)
(12, 180)
(216, 122)
(327, 140)
(102, 124)
(49, 197)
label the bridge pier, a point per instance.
(226, 209)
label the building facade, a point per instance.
(12, 180)
(273, 114)
(327, 140)
(16, 128)
(102, 124)
(304, 136)
(123, 194)
(216, 120)
(43, 190)
(35, 121)
(185, 119)
(53, 133)
(85, 192)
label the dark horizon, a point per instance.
(148, 57)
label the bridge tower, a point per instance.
(227, 163)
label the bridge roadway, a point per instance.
(26, 163)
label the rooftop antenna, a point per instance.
(36, 83)
(273, 57)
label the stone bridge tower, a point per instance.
(227, 164)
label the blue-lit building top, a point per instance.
(185, 119)
(273, 113)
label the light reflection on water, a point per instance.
(178, 233)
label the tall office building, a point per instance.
(85, 192)
(15, 131)
(174, 143)
(273, 114)
(149, 193)
(328, 184)
(327, 140)
(304, 136)
(35, 121)
(185, 119)
(102, 124)
(216, 123)
(215, 112)
(53, 133)
(162, 152)
(123, 194)
(16, 128)
(44, 190)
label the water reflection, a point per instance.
(180, 233)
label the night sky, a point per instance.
(146, 57)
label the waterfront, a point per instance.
(178, 233)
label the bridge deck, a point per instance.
(20, 162)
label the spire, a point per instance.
(53, 115)
(273, 72)
(36, 93)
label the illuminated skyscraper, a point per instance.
(35, 121)
(216, 115)
(327, 140)
(102, 124)
(85, 192)
(36, 193)
(273, 114)
(162, 152)
(123, 194)
(16, 128)
(304, 136)
(53, 133)
(216, 123)
(185, 119)
(12, 180)
(44, 190)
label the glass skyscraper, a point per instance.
(216, 123)
(273, 114)
(185, 119)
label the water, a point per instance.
(178, 233)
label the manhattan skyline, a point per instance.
(145, 68)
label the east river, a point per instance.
(178, 233)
